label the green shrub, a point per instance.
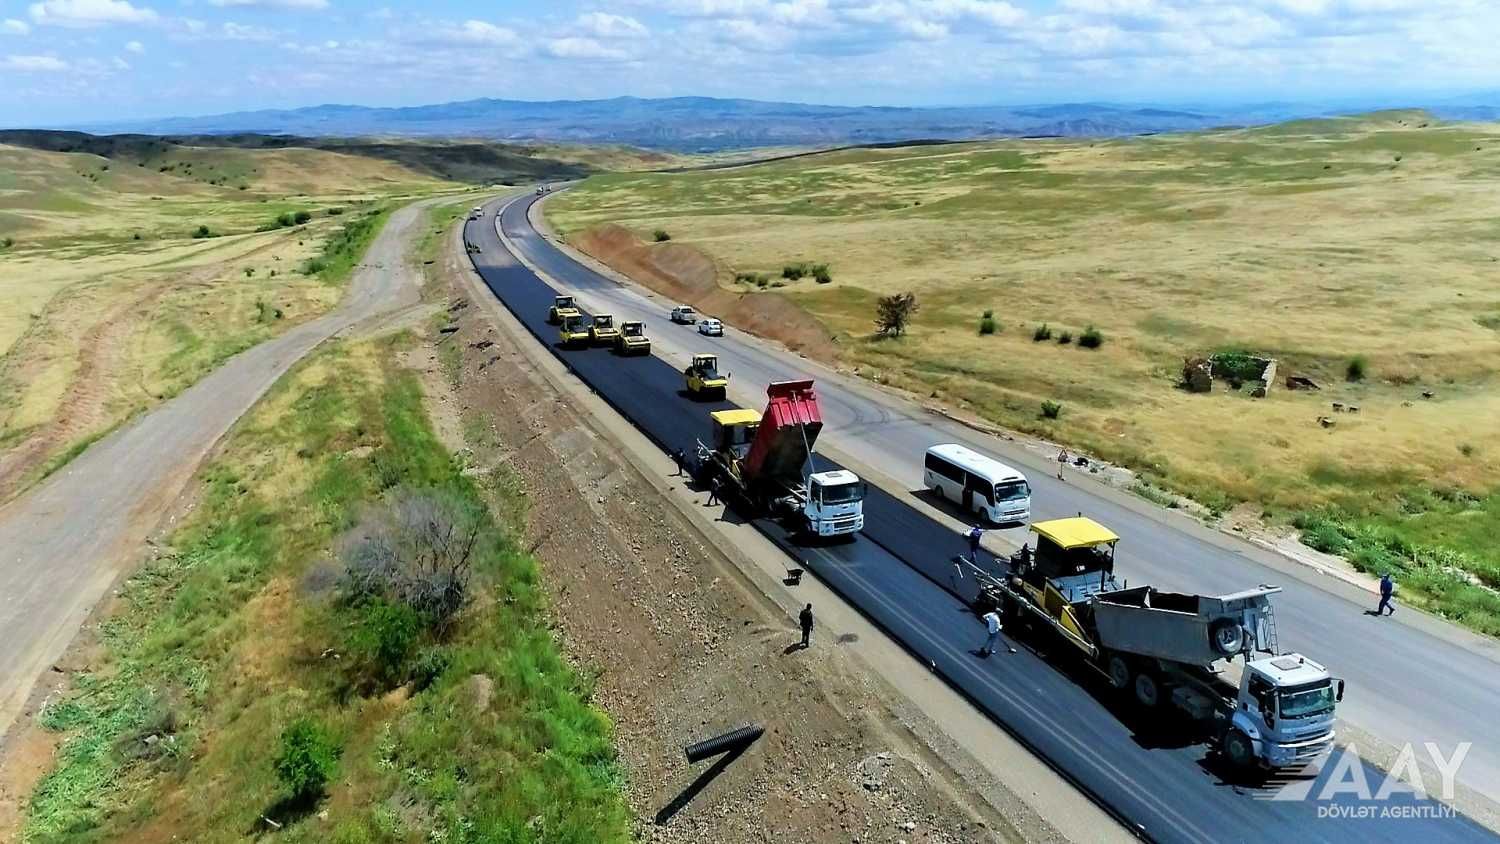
(249, 272)
(301, 217)
(1321, 534)
(987, 324)
(10, 241)
(1357, 368)
(1051, 409)
(1091, 338)
(1042, 332)
(761, 281)
(1065, 338)
(383, 637)
(794, 271)
(285, 219)
(308, 758)
(334, 212)
(821, 274)
(661, 236)
(313, 266)
(201, 232)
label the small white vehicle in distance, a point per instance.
(476, 213)
(683, 315)
(977, 484)
(711, 328)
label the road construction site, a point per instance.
(898, 571)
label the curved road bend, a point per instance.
(1408, 682)
(1167, 789)
(64, 543)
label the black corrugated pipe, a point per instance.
(732, 740)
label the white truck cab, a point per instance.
(835, 503)
(1284, 713)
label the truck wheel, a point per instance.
(1119, 671)
(1226, 636)
(1238, 749)
(1147, 690)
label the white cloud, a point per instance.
(304, 5)
(584, 48)
(33, 64)
(232, 31)
(11, 26)
(82, 13)
(471, 33)
(120, 64)
(606, 25)
(135, 47)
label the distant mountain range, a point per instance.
(709, 124)
(703, 124)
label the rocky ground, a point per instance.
(681, 644)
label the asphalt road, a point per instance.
(64, 543)
(1416, 682)
(1143, 770)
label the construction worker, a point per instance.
(1387, 590)
(976, 533)
(992, 634)
(805, 618)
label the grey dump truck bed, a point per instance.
(1195, 630)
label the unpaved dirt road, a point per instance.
(64, 544)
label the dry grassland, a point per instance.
(1315, 242)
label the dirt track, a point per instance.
(65, 543)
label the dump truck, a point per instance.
(632, 339)
(1212, 659)
(704, 379)
(574, 331)
(764, 464)
(602, 331)
(562, 306)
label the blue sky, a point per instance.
(80, 61)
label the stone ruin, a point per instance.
(1199, 374)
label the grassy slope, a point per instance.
(1315, 242)
(93, 235)
(222, 641)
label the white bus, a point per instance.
(977, 483)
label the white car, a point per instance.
(683, 315)
(711, 328)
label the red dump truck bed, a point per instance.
(788, 430)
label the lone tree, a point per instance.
(893, 312)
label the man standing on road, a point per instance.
(806, 620)
(976, 533)
(992, 634)
(1387, 589)
(713, 492)
(677, 457)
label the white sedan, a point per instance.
(711, 328)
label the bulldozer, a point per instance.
(574, 331)
(562, 306)
(703, 378)
(602, 330)
(633, 339)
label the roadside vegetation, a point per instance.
(134, 283)
(341, 644)
(1360, 253)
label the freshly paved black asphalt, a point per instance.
(1162, 784)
